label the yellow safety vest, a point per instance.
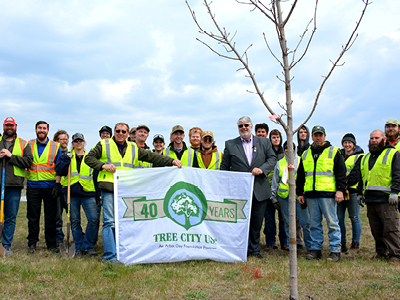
(111, 155)
(397, 145)
(43, 168)
(321, 179)
(84, 176)
(283, 190)
(379, 178)
(215, 163)
(18, 150)
(350, 162)
(186, 159)
(145, 164)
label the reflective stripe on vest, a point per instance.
(319, 176)
(18, 150)
(283, 190)
(379, 178)
(43, 167)
(215, 162)
(186, 158)
(111, 155)
(84, 176)
(350, 162)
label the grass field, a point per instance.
(45, 275)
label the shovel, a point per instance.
(68, 249)
(3, 179)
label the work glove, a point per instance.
(346, 195)
(63, 203)
(98, 200)
(56, 192)
(276, 203)
(393, 199)
(361, 200)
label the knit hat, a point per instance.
(349, 137)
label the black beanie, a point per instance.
(349, 137)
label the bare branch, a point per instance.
(290, 13)
(309, 40)
(336, 63)
(270, 50)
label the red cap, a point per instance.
(9, 120)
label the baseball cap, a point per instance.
(317, 129)
(133, 130)
(392, 121)
(78, 136)
(158, 137)
(207, 133)
(177, 128)
(9, 120)
(143, 126)
(106, 128)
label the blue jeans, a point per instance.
(109, 244)
(327, 207)
(270, 226)
(12, 196)
(90, 208)
(302, 215)
(354, 215)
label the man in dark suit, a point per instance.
(249, 153)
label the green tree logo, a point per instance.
(185, 204)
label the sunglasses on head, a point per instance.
(158, 136)
(119, 130)
(245, 125)
(207, 138)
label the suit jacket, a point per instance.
(264, 158)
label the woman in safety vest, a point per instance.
(83, 193)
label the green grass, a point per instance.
(45, 275)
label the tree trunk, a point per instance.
(294, 294)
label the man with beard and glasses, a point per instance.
(321, 181)
(380, 174)
(42, 185)
(392, 132)
(16, 157)
(253, 154)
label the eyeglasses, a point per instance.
(63, 139)
(78, 141)
(207, 138)
(119, 130)
(245, 125)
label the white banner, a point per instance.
(171, 214)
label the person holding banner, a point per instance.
(107, 157)
(253, 154)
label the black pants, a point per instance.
(384, 222)
(256, 220)
(34, 197)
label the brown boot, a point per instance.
(344, 248)
(355, 246)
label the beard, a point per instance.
(376, 149)
(245, 135)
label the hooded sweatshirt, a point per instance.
(279, 153)
(206, 157)
(301, 149)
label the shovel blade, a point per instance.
(2, 251)
(67, 250)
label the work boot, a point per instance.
(32, 248)
(314, 254)
(285, 247)
(344, 248)
(355, 246)
(334, 256)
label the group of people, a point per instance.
(328, 181)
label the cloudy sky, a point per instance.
(80, 65)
